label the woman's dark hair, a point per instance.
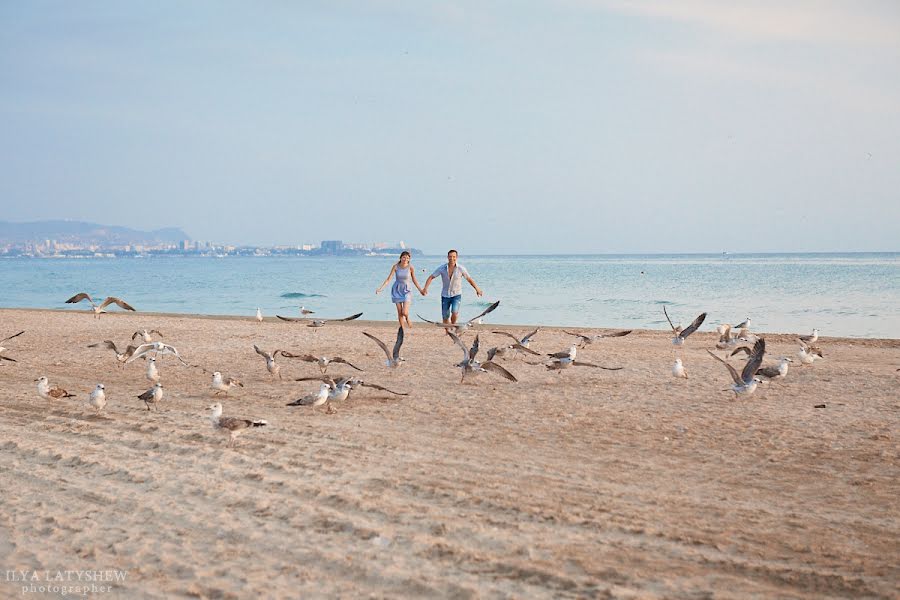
(402, 254)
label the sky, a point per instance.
(576, 126)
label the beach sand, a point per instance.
(585, 483)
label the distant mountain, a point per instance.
(72, 232)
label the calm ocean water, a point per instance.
(842, 294)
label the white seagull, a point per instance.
(145, 335)
(678, 369)
(259, 317)
(393, 357)
(337, 388)
(98, 397)
(809, 354)
(152, 396)
(777, 372)
(810, 339)
(745, 383)
(99, 309)
(271, 366)
(305, 311)
(152, 371)
(231, 425)
(158, 348)
(681, 334)
(525, 342)
(470, 364)
(50, 393)
(223, 384)
(566, 358)
(314, 400)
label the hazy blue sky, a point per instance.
(571, 126)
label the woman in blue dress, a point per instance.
(401, 294)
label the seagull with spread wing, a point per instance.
(121, 357)
(322, 361)
(393, 357)
(745, 383)
(271, 366)
(586, 340)
(681, 334)
(99, 309)
(459, 328)
(2, 349)
(470, 364)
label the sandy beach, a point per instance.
(584, 483)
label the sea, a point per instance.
(851, 295)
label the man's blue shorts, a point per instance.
(450, 305)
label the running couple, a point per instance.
(451, 275)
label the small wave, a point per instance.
(301, 295)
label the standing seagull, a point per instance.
(152, 371)
(47, 393)
(152, 396)
(99, 309)
(98, 397)
(678, 369)
(258, 315)
(271, 367)
(231, 425)
(222, 384)
(810, 339)
(777, 372)
(745, 383)
(585, 340)
(393, 358)
(471, 366)
(681, 334)
(314, 400)
(305, 311)
(809, 354)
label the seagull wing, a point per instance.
(324, 378)
(459, 343)
(693, 326)
(398, 343)
(290, 318)
(578, 335)
(106, 343)
(576, 363)
(136, 334)
(338, 359)
(522, 348)
(565, 354)
(381, 344)
(117, 301)
(769, 372)
(140, 351)
(157, 332)
(350, 318)
(617, 333)
(384, 389)
(11, 337)
(734, 374)
(473, 351)
(740, 349)
(528, 337)
(79, 297)
(427, 321)
(755, 361)
(492, 366)
(668, 319)
(485, 311)
(507, 334)
(263, 353)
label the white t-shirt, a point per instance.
(452, 286)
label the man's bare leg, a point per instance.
(453, 317)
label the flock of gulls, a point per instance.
(737, 341)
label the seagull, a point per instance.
(231, 425)
(121, 357)
(566, 359)
(322, 361)
(152, 371)
(728, 339)
(152, 396)
(221, 384)
(271, 367)
(2, 349)
(98, 397)
(745, 383)
(314, 400)
(778, 372)
(810, 339)
(470, 364)
(46, 392)
(258, 315)
(459, 328)
(98, 309)
(145, 335)
(501, 351)
(809, 354)
(356, 382)
(681, 334)
(678, 369)
(158, 348)
(349, 384)
(393, 358)
(305, 311)
(745, 324)
(586, 340)
(319, 322)
(525, 342)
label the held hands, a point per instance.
(378, 291)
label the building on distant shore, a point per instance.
(332, 246)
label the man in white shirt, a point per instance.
(451, 275)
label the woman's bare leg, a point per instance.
(405, 306)
(399, 313)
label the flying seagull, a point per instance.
(46, 392)
(271, 367)
(121, 357)
(566, 358)
(585, 340)
(152, 396)
(98, 309)
(525, 342)
(501, 351)
(223, 384)
(393, 357)
(319, 322)
(681, 334)
(98, 397)
(145, 335)
(158, 348)
(470, 364)
(2, 349)
(322, 361)
(231, 425)
(349, 383)
(459, 328)
(745, 383)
